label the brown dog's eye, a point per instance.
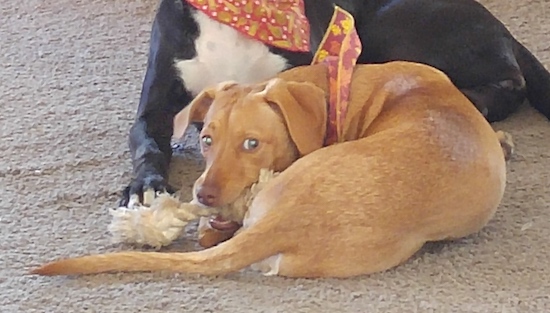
(250, 144)
(206, 140)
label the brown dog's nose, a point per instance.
(208, 194)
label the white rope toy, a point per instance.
(164, 220)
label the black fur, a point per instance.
(460, 37)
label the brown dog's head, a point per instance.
(247, 128)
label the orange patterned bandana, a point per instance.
(279, 23)
(339, 50)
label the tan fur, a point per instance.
(419, 164)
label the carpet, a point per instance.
(70, 83)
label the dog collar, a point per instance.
(339, 50)
(278, 23)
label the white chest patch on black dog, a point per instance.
(224, 54)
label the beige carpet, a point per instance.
(70, 83)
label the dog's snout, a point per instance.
(207, 194)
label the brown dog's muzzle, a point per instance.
(219, 184)
(217, 229)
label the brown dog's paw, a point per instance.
(507, 144)
(209, 236)
(212, 237)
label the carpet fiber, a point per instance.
(70, 84)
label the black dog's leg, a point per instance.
(497, 101)
(163, 96)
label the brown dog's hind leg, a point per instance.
(370, 258)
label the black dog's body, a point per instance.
(460, 37)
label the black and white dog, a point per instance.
(189, 51)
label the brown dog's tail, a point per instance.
(537, 79)
(248, 247)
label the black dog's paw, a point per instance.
(144, 190)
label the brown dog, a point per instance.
(419, 163)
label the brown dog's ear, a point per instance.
(193, 112)
(196, 110)
(303, 106)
